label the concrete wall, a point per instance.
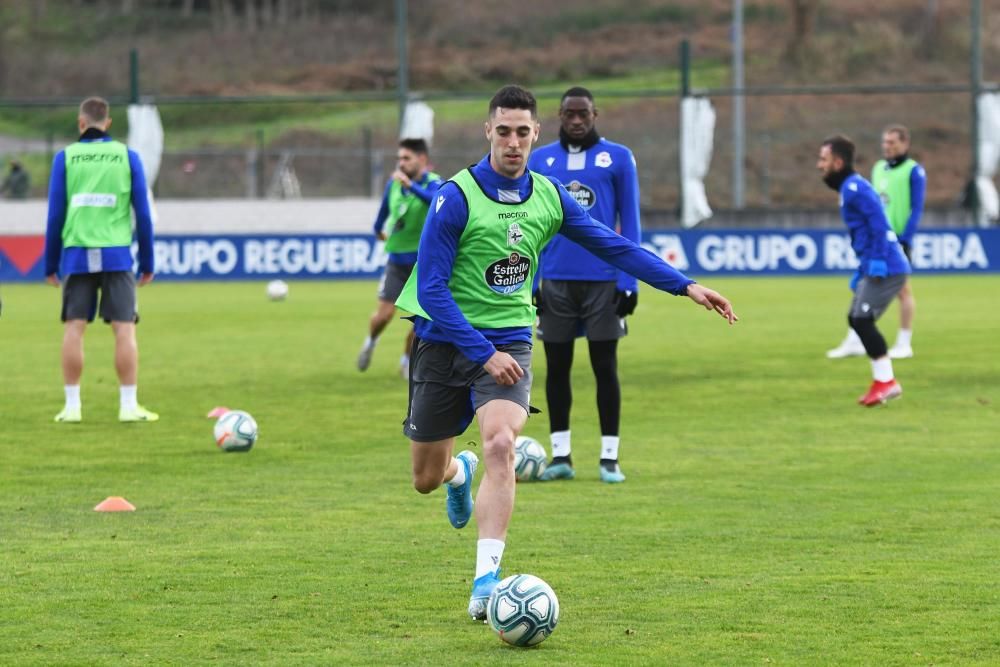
(356, 215)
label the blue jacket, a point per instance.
(446, 221)
(603, 181)
(871, 236)
(74, 260)
(424, 189)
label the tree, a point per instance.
(803, 22)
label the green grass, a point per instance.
(766, 519)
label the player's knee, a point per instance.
(870, 336)
(498, 448)
(425, 483)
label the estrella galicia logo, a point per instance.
(583, 195)
(507, 275)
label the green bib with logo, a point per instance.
(407, 213)
(893, 186)
(98, 195)
(497, 255)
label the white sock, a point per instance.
(404, 360)
(370, 342)
(609, 447)
(72, 395)
(882, 369)
(459, 478)
(903, 337)
(127, 396)
(560, 443)
(852, 337)
(488, 555)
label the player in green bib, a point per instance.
(471, 298)
(404, 207)
(95, 184)
(901, 184)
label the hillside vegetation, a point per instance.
(66, 49)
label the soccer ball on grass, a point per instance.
(235, 431)
(277, 290)
(530, 459)
(523, 610)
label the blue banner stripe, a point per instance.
(720, 252)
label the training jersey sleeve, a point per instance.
(57, 214)
(383, 211)
(918, 188)
(618, 251)
(627, 196)
(866, 203)
(143, 214)
(438, 248)
(426, 192)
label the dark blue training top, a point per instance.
(602, 179)
(871, 236)
(424, 189)
(446, 221)
(74, 260)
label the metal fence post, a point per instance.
(133, 68)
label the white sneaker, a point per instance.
(900, 352)
(365, 357)
(848, 348)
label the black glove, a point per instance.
(536, 301)
(625, 303)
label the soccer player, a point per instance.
(901, 183)
(404, 207)
(883, 267)
(579, 292)
(95, 182)
(471, 295)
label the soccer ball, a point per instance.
(523, 610)
(235, 431)
(530, 459)
(277, 290)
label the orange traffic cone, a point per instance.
(114, 504)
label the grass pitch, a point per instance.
(767, 519)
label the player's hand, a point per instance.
(403, 179)
(536, 301)
(712, 300)
(877, 268)
(145, 279)
(625, 302)
(503, 368)
(855, 279)
(52, 279)
(381, 236)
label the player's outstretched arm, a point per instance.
(712, 300)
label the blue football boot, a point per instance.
(611, 473)
(481, 589)
(557, 471)
(459, 502)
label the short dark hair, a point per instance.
(900, 130)
(418, 146)
(514, 97)
(576, 91)
(95, 109)
(841, 147)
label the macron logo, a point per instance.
(437, 207)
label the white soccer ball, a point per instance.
(530, 459)
(523, 610)
(235, 431)
(277, 290)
